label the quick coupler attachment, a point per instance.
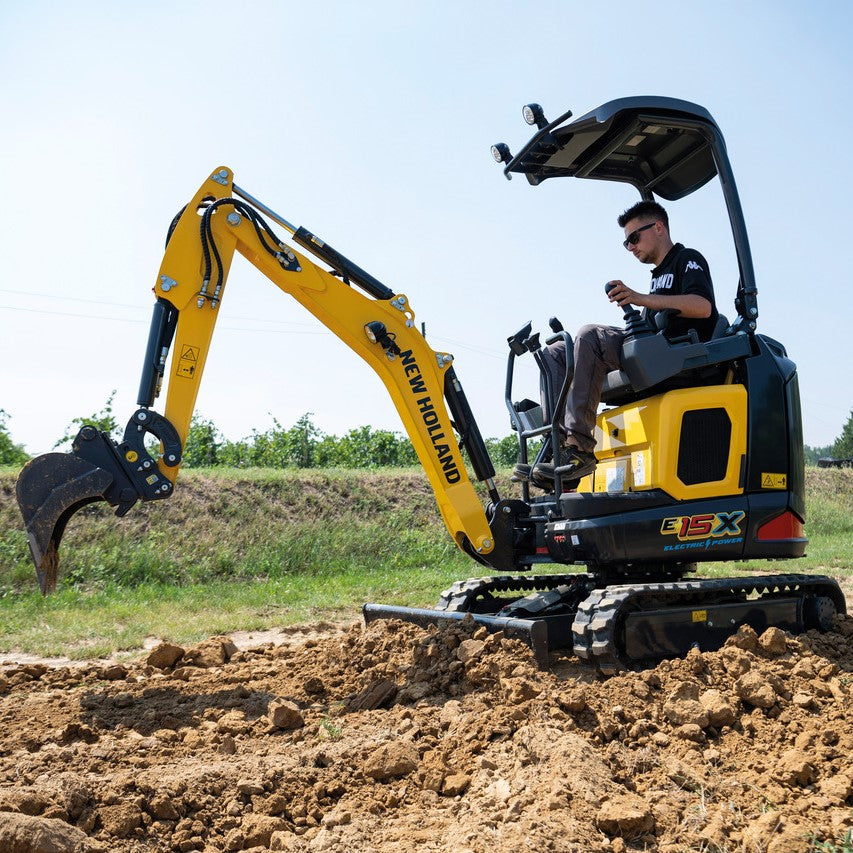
(52, 487)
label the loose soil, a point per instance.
(396, 738)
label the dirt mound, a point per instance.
(391, 737)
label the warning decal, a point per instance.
(188, 362)
(774, 481)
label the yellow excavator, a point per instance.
(699, 449)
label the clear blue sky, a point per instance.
(370, 123)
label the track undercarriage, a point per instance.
(630, 625)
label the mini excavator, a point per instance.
(699, 447)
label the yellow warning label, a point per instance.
(188, 362)
(700, 615)
(774, 481)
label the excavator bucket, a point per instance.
(50, 489)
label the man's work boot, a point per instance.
(524, 473)
(578, 463)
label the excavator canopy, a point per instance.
(662, 146)
(659, 145)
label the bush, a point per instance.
(103, 421)
(843, 447)
(303, 445)
(10, 453)
(366, 447)
(203, 444)
(285, 448)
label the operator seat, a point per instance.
(653, 364)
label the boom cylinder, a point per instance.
(471, 437)
(163, 321)
(342, 265)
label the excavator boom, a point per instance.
(374, 321)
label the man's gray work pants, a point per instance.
(597, 350)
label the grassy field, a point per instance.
(247, 550)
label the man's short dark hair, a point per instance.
(644, 210)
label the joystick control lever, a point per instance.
(635, 325)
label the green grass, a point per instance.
(248, 550)
(86, 624)
(844, 845)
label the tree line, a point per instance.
(304, 445)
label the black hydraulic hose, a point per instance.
(261, 226)
(340, 264)
(262, 229)
(173, 224)
(205, 250)
(220, 271)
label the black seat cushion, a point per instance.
(706, 364)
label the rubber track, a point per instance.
(596, 626)
(461, 596)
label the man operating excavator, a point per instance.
(681, 291)
(699, 457)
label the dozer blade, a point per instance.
(50, 489)
(533, 632)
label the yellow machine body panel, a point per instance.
(689, 442)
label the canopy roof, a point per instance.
(660, 145)
(664, 147)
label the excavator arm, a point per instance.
(375, 322)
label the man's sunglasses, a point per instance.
(634, 237)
